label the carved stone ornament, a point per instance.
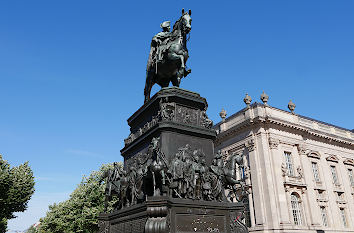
(349, 162)
(250, 145)
(332, 158)
(223, 114)
(300, 172)
(284, 169)
(301, 149)
(264, 98)
(247, 100)
(273, 143)
(186, 176)
(291, 106)
(314, 154)
(287, 189)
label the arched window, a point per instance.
(296, 209)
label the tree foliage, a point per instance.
(80, 212)
(16, 189)
(32, 229)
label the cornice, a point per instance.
(272, 121)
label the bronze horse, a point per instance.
(172, 68)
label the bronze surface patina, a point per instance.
(173, 180)
(168, 54)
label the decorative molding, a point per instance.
(349, 162)
(300, 172)
(314, 154)
(273, 143)
(175, 113)
(287, 189)
(295, 184)
(272, 121)
(332, 158)
(301, 149)
(250, 144)
(284, 169)
(287, 142)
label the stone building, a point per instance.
(299, 171)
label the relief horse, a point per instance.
(231, 180)
(172, 68)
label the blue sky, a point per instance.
(72, 72)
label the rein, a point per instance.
(179, 26)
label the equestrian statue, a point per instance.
(168, 54)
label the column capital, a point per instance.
(273, 143)
(251, 146)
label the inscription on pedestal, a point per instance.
(200, 223)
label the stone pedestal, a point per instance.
(173, 215)
(172, 181)
(177, 117)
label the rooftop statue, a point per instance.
(168, 54)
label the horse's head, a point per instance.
(184, 23)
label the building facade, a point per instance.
(299, 172)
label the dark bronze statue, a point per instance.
(168, 55)
(185, 176)
(172, 180)
(113, 185)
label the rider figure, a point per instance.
(159, 41)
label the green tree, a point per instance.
(32, 229)
(16, 189)
(80, 212)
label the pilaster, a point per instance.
(257, 189)
(312, 206)
(276, 155)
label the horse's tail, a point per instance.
(148, 84)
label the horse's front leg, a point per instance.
(133, 196)
(154, 182)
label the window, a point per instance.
(324, 216)
(343, 217)
(241, 172)
(334, 175)
(351, 177)
(289, 163)
(296, 209)
(316, 175)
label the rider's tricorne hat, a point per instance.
(165, 24)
